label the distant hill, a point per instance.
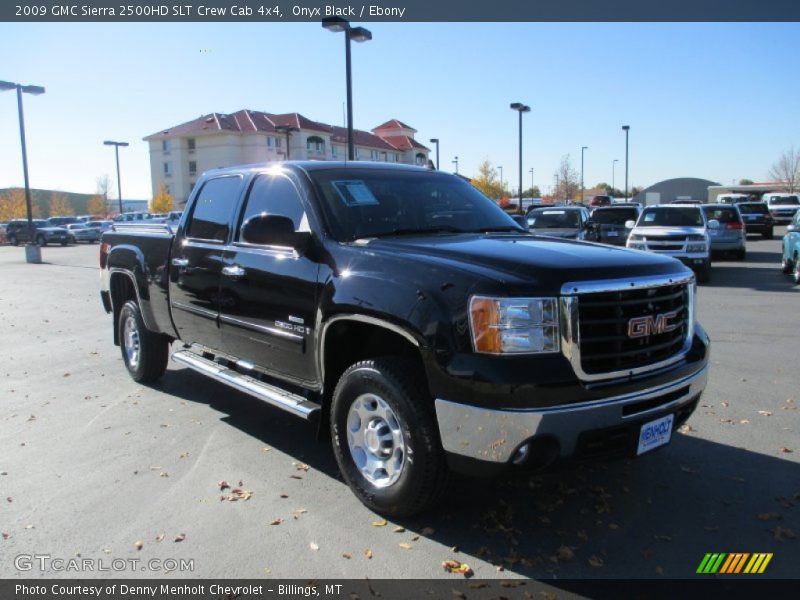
(42, 198)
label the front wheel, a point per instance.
(786, 266)
(385, 437)
(740, 254)
(796, 272)
(144, 352)
(704, 273)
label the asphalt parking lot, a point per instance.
(97, 466)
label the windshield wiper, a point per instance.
(418, 231)
(497, 229)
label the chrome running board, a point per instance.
(270, 394)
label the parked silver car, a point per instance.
(79, 232)
(730, 236)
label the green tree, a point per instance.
(163, 201)
(745, 182)
(533, 192)
(97, 205)
(487, 180)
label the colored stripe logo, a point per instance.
(734, 563)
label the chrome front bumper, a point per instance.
(495, 435)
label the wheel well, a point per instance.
(347, 342)
(122, 290)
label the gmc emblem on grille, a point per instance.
(650, 325)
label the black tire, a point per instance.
(786, 266)
(64, 243)
(704, 274)
(768, 234)
(12, 239)
(741, 254)
(796, 272)
(41, 241)
(153, 348)
(423, 475)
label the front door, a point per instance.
(268, 293)
(197, 261)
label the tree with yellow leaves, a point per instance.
(487, 181)
(163, 201)
(60, 206)
(97, 205)
(12, 205)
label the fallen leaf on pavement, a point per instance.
(180, 537)
(6, 535)
(595, 561)
(454, 566)
(368, 553)
(159, 537)
(314, 546)
(284, 495)
(381, 523)
(782, 533)
(223, 485)
(786, 450)
(276, 522)
(565, 553)
(237, 494)
(398, 530)
(405, 546)
(459, 594)
(726, 404)
(295, 477)
(347, 555)
(139, 545)
(765, 413)
(478, 585)
(301, 466)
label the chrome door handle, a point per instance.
(180, 262)
(233, 271)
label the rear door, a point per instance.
(269, 293)
(197, 259)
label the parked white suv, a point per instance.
(680, 231)
(781, 206)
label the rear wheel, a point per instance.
(786, 266)
(704, 273)
(385, 437)
(741, 254)
(145, 353)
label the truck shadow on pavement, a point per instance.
(741, 275)
(655, 516)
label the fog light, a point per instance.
(521, 455)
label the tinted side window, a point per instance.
(213, 209)
(274, 195)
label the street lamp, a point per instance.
(455, 162)
(357, 34)
(582, 188)
(531, 180)
(613, 174)
(33, 253)
(119, 184)
(626, 129)
(287, 129)
(436, 141)
(520, 108)
(502, 189)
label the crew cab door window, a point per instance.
(274, 195)
(213, 209)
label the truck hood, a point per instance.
(652, 232)
(557, 232)
(525, 258)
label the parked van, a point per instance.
(781, 206)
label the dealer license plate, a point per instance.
(654, 434)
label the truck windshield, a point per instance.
(361, 203)
(689, 216)
(614, 216)
(553, 219)
(784, 200)
(754, 208)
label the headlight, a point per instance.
(514, 325)
(637, 245)
(634, 237)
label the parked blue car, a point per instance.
(791, 249)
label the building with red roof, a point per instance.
(179, 154)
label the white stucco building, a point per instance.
(178, 155)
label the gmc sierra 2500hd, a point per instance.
(413, 319)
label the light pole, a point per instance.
(287, 129)
(455, 162)
(556, 192)
(33, 253)
(436, 141)
(626, 129)
(531, 180)
(582, 188)
(502, 189)
(613, 174)
(357, 34)
(520, 108)
(119, 184)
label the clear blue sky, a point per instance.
(719, 101)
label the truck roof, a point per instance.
(320, 165)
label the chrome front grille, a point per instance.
(597, 318)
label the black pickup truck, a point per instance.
(412, 319)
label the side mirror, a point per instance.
(274, 230)
(630, 224)
(792, 228)
(713, 224)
